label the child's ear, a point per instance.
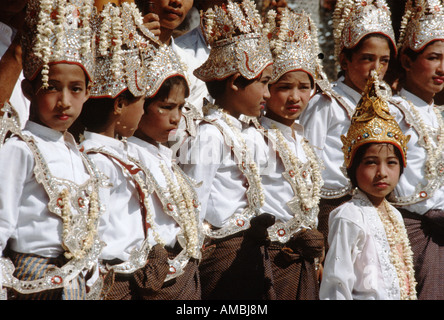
(88, 92)
(118, 105)
(27, 89)
(406, 62)
(232, 82)
(343, 61)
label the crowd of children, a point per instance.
(224, 164)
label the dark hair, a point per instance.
(216, 88)
(359, 155)
(348, 52)
(96, 111)
(165, 89)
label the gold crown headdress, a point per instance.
(423, 22)
(124, 47)
(354, 19)
(234, 33)
(373, 123)
(294, 44)
(57, 31)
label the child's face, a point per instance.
(374, 54)
(130, 116)
(289, 97)
(162, 117)
(251, 99)
(378, 173)
(59, 105)
(426, 74)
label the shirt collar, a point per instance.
(105, 140)
(49, 134)
(157, 149)
(354, 95)
(417, 101)
(286, 130)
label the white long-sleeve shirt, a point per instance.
(24, 216)
(151, 156)
(414, 174)
(210, 162)
(121, 225)
(357, 265)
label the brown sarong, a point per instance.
(148, 283)
(325, 207)
(233, 267)
(293, 266)
(426, 234)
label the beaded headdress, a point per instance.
(423, 22)
(123, 47)
(57, 31)
(165, 64)
(373, 123)
(294, 44)
(354, 19)
(234, 33)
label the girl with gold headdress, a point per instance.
(369, 257)
(364, 41)
(420, 192)
(290, 169)
(49, 192)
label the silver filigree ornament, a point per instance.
(237, 42)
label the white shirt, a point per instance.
(194, 43)
(17, 99)
(276, 188)
(24, 216)
(121, 224)
(325, 121)
(414, 173)
(210, 161)
(357, 264)
(151, 157)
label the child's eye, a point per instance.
(77, 89)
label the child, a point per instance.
(113, 113)
(173, 213)
(369, 256)
(236, 73)
(420, 192)
(49, 191)
(291, 175)
(364, 42)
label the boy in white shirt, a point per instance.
(49, 195)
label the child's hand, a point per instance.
(151, 21)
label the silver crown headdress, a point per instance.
(234, 33)
(423, 22)
(123, 47)
(294, 44)
(165, 64)
(57, 31)
(354, 19)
